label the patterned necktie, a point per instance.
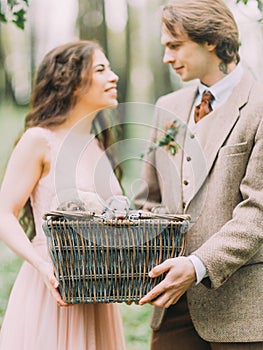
(204, 107)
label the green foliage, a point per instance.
(20, 18)
(260, 4)
(17, 10)
(244, 1)
(2, 18)
(136, 321)
(14, 11)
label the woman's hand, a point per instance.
(47, 272)
(180, 275)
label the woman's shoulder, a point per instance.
(36, 139)
(37, 134)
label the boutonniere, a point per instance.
(167, 141)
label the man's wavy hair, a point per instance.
(62, 71)
(203, 21)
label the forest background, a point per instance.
(129, 32)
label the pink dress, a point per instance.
(33, 321)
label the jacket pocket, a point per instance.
(236, 149)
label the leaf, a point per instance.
(244, 1)
(20, 18)
(18, 15)
(169, 132)
(3, 18)
(163, 142)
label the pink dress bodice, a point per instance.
(77, 169)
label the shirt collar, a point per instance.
(223, 88)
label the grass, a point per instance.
(135, 317)
(136, 326)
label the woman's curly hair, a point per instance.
(62, 71)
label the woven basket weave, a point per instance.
(108, 261)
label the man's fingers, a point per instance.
(166, 300)
(154, 293)
(160, 269)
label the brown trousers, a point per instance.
(177, 333)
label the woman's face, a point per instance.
(102, 90)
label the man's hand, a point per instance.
(180, 275)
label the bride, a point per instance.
(59, 150)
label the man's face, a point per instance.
(189, 59)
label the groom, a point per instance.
(212, 298)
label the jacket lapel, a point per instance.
(218, 125)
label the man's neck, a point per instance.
(220, 71)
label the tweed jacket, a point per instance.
(226, 208)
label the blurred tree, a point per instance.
(91, 21)
(6, 90)
(128, 30)
(129, 35)
(10, 11)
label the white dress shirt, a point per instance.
(221, 91)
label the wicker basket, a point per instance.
(108, 261)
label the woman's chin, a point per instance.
(113, 103)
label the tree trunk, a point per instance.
(92, 24)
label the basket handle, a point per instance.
(69, 214)
(133, 215)
(149, 215)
